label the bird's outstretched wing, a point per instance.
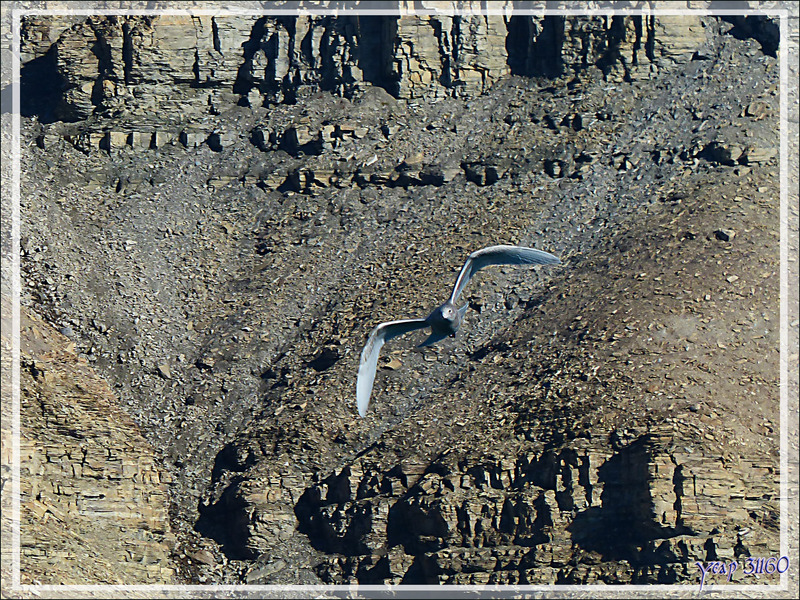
(499, 255)
(369, 356)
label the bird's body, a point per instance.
(445, 319)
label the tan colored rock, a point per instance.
(94, 503)
(192, 65)
(677, 37)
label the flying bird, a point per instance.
(446, 319)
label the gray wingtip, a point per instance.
(546, 258)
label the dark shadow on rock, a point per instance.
(324, 360)
(376, 574)
(227, 460)
(535, 48)
(423, 571)
(225, 521)
(376, 39)
(335, 524)
(418, 528)
(487, 349)
(625, 520)
(760, 28)
(41, 89)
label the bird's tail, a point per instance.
(433, 338)
(462, 311)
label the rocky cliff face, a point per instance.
(94, 504)
(180, 67)
(217, 210)
(539, 461)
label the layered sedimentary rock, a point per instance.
(241, 250)
(187, 66)
(94, 504)
(644, 514)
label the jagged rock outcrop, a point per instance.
(182, 67)
(583, 481)
(647, 509)
(95, 502)
(231, 202)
